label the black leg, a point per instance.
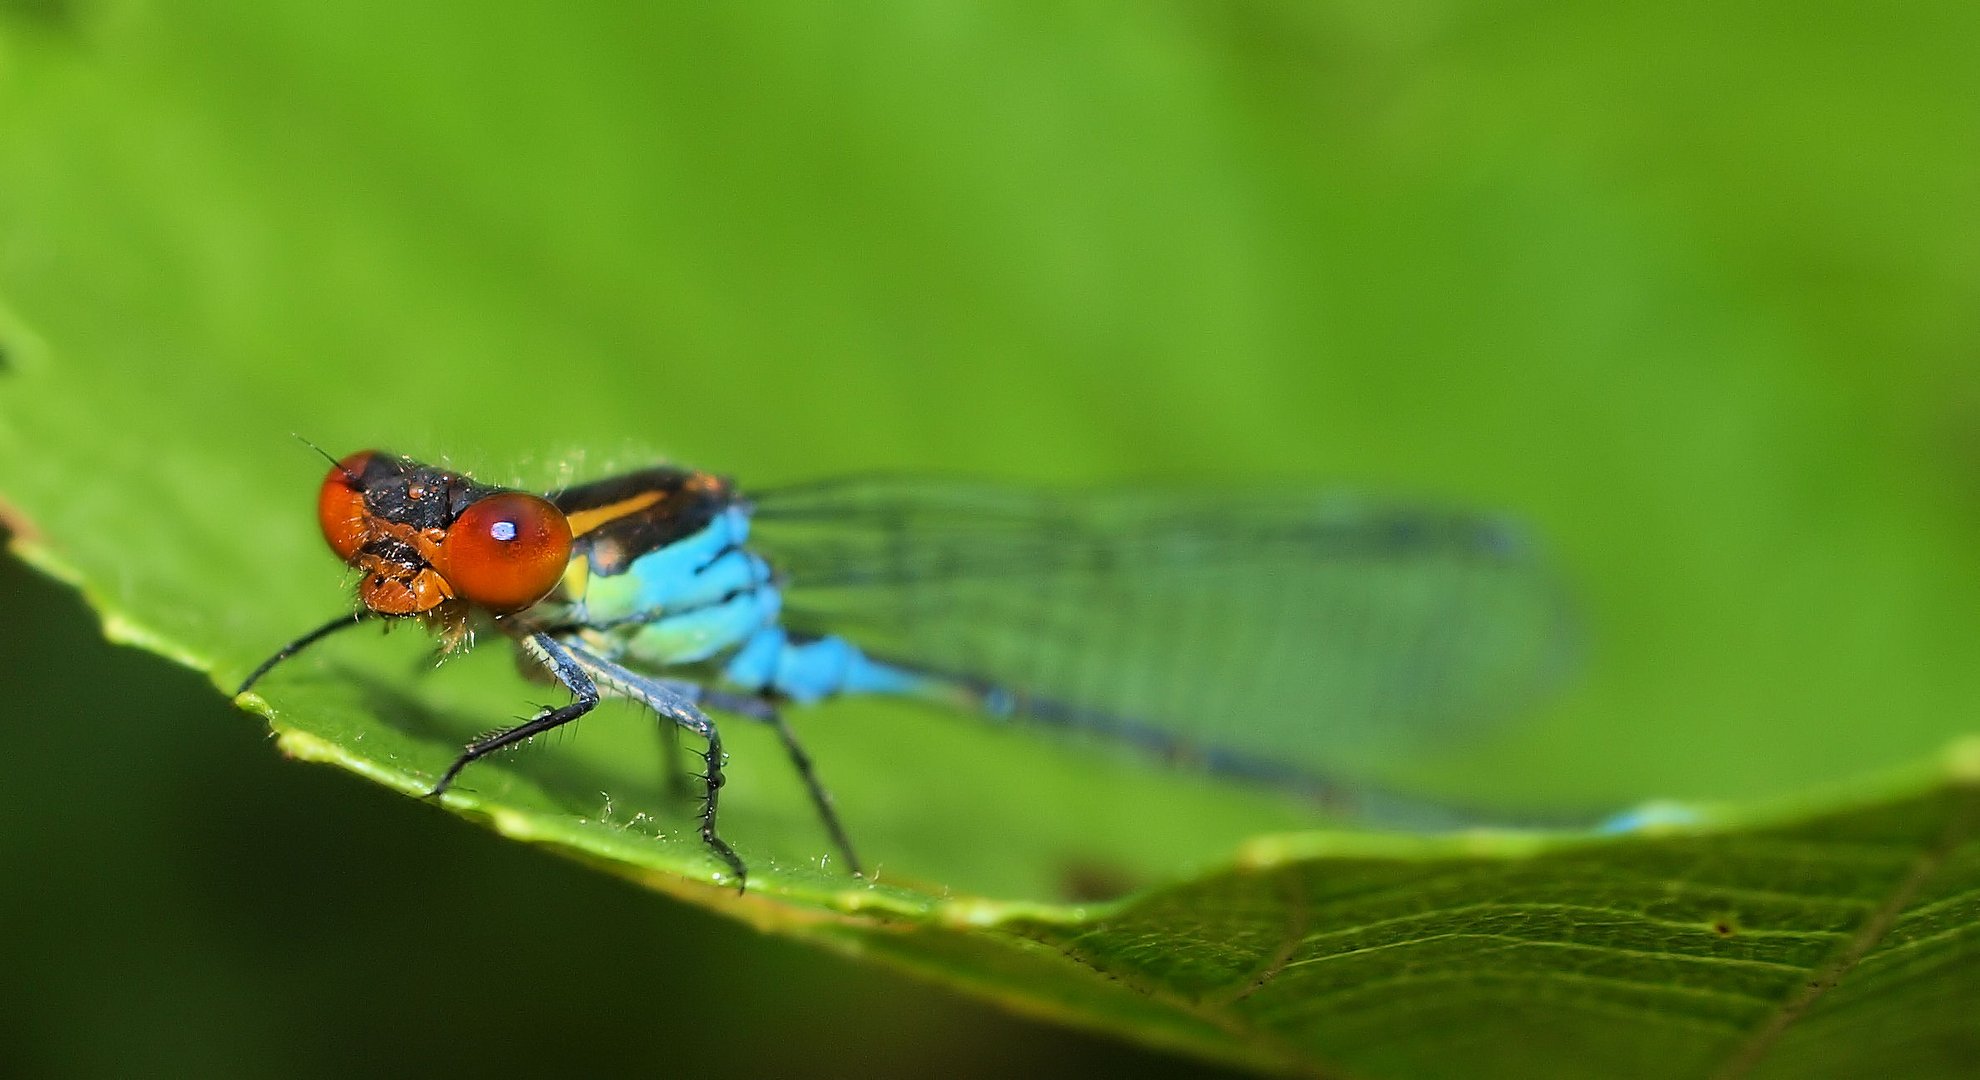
(820, 798)
(713, 778)
(674, 701)
(341, 622)
(567, 671)
(761, 708)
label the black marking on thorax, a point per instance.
(688, 501)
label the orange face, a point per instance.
(423, 536)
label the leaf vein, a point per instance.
(1791, 1009)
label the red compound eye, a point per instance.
(340, 506)
(505, 552)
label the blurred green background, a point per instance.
(1695, 288)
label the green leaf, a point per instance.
(1718, 355)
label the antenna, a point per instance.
(334, 463)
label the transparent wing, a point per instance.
(1320, 632)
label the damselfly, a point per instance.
(1264, 637)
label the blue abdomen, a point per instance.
(806, 670)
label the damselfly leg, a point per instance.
(668, 696)
(820, 798)
(341, 622)
(766, 711)
(554, 657)
(675, 701)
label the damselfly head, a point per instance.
(423, 536)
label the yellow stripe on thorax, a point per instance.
(586, 520)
